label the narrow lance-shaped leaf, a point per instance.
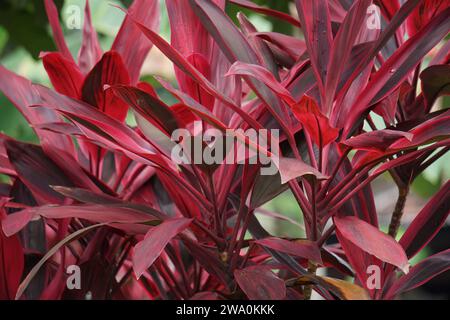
(11, 265)
(316, 24)
(421, 273)
(398, 66)
(427, 223)
(342, 47)
(53, 18)
(372, 241)
(90, 51)
(259, 283)
(156, 239)
(299, 248)
(130, 43)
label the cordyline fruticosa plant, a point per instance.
(108, 197)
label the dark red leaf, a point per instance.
(53, 18)
(378, 140)
(90, 51)
(64, 74)
(156, 239)
(110, 70)
(316, 25)
(421, 273)
(270, 12)
(435, 82)
(299, 248)
(314, 122)
(427, 223)
(259, 283)
(371, 240)
(11, 265)
(130, 42)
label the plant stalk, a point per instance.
(398, 211)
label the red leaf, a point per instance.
(156, 239)
(378, 44)
(130, 42)
(314, 122)
(371, 240)
(90, 51)
(148, 106)
(53, 18)
(423, 13)
(421, 273)
(315, 19)
(259, 283)
(112, 214)
(64, 74)
(110, 70)
(299, 248)
(270, 12)
(293, 46)
(291, 168)
(262, 74)
(37, 171)
(185, 66)
(235, 47)
(435, 82)
(434, 129)
(427, 223)
(398, 66)
(11, 265)
(378, 140)
(21, 93)
(196, 47)
(342, 47)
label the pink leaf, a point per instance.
(156, 239)
(259, 283)
(299, 248)
(371, 240)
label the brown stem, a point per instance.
(307, 290)
(398, 211)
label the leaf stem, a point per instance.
(398, 211)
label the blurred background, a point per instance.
(24, 33)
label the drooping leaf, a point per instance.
(299, 248)
(291, 168)
(435, 82)
(427, 223)
(24, 284)
(421, 273)
(156, 239)
(371, 240)
(270, 12)
(259, 283)
(376, 140)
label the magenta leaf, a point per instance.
(156, 239)
(259, 283)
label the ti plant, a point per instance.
(110, 198)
